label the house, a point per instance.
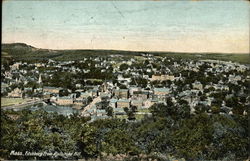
(104, 95)
(121, 93)
(38, 90)
(141, 95)
(94, 92)
(39, 65)
(64, 100)
(148, 103)
(46, 95)
(197, 85)
(133, 89)
(137, 103)
(4, 87)
(78, 85)
(221, 87)
(162, 77)
(85, 94)
(113, 103)
(27, 89)
(233, 78)
(101, 112)
(104, 86)
(122, 103)
(119, 111)
(161, 91)
(78, 101)
(52, 89)
(123, 80)
(15, 66)
(159, 94)
(16, 93)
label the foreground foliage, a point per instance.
(167, 132)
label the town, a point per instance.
(125, 80)
(126, 87)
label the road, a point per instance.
(91, 105)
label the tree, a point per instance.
(200, 108)
(118, 141)
(215, 109)
(130, 113)
(78, 94)
(63, 92)
(229, 137)
(192, 137)
(203, 98)
(89, 99)
(146, 62)
(126, 109)
(109, 111)
(142, 82)
(104, 104)
(169, 102)
(231, 102)
(238, 110)
(122, 86)
(124, 67)
(133, 108)
(87, 142)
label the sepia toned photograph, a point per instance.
(142, 80)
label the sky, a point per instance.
(176, 26)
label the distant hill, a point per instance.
(17, 46)
(22, 51)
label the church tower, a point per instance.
(40, 79)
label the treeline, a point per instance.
(171, 131)
(20, 51)
(24, 52)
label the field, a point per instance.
(12, 101)
(139, 115)
(239, 58)
(146, 110)
(5, 55)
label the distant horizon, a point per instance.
(121, 50)
(145, 26)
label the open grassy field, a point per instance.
(146, 110)
(12, 101)
(121, 116)
(137, 116)
(5, 55)
(239, 58)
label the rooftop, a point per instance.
(124, 100)
(162, 89)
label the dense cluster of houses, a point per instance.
(156, 71)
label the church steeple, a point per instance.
(40, 79)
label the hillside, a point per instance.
(21, 51)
